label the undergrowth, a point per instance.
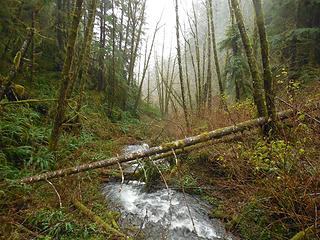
(262, 188)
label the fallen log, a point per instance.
(29, 101)
(108, 228)
(164, 148)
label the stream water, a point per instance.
(163, 214)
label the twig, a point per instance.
(54, 188)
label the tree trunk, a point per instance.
(267, 75)
(180, 67)
(32, 63)
(258, 95)
(215, 52)
(101, 72)
(4, 87)
(60, 35)
(236, 52)
(187, 76)
(209, 73)
(145, 68)
(65, 77)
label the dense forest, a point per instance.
(230, 109)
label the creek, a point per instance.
(163, 213)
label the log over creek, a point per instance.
(166, 148)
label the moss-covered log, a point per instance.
(108, 228)
(164, 148)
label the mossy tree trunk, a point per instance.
(258, 94)
(60, 113)
(267, 75)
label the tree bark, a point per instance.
(209, 72)
(145, 68)
(101, 73)
(258, 94)
(267, 75)
(65, 77)
(214, 46)
(185, 111)
(197, 50)
(187, 76)
(166, 147)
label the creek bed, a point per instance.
(163, 214)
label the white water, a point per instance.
(163, 214)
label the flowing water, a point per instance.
(163, 214)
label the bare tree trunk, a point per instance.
(168, 80)
(65, 77)
(209, 73)
(203, 80)
(187, 76)
(215, 52)
(169, 85)
(267, 75)
(197, 50)
(145, 67)
(204, 96)
(180, 67)
(258, 95)
(194, 70)
(135, 43)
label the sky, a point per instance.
(165, 9)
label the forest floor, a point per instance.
(261, 188)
